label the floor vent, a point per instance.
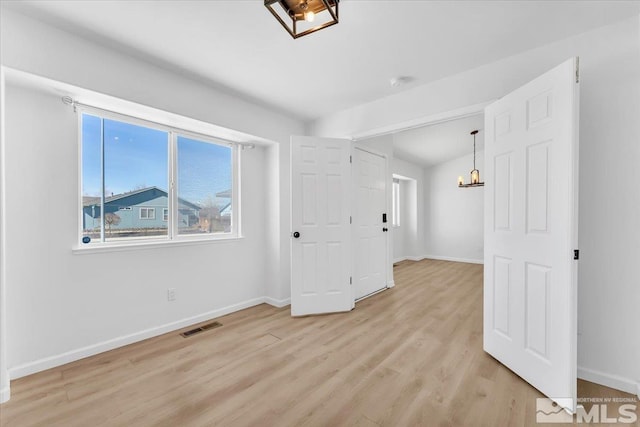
(202, 328)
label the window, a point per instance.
(395, 217)
(203, 166)
(147, 213)
(128, 166)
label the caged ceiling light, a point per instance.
(302, 17)
(475, 173)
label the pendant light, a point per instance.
(297, 16)
(475, 173)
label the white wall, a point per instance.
(609, 295)
(408, 238)
(454, 216)
(61, 305)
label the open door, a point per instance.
(320, 220)
(531, 218)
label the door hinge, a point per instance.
(350, 220)
(350, 159)
(576, 254)
(578, 69)
(351, 280)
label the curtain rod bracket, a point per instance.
(69, 101)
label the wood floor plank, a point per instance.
(409, 356)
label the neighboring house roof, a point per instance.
(92, 200)
(226, 194)
(226, 211)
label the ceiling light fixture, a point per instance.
(475, 173)
(293, 14)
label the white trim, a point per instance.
(433, 119)
(4, 375)
(139, 244)
(371, 294)
(5, 394)
(391, 284)
(439, 258)
(278, 303)
(80, 353)
(609, 380)
(447, 258)
(395, 202)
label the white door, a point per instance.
(530, 277)
(321, 232)
(370, 233)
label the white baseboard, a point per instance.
(279, 303)
(609, 380)
(5, 394)
(454, 259)
(408, 258)
(439, 258)
(73, 355)
(391, 284)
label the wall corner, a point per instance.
(5, 392)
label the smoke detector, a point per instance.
(399, 81)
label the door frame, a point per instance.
(433, 119)
(388, 267)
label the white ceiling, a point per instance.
(238, 46)
(431, 145)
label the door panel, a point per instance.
(370, 240)
(320, 209)
(531, 231)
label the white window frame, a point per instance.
(148, 210)
(172, 237)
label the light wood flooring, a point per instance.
(409, 356)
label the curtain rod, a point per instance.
(75, 104)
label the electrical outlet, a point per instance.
(171, 294)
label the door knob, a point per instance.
(385, 229)
(296, 234)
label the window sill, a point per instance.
(155, 244)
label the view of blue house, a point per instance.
(147, 208)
